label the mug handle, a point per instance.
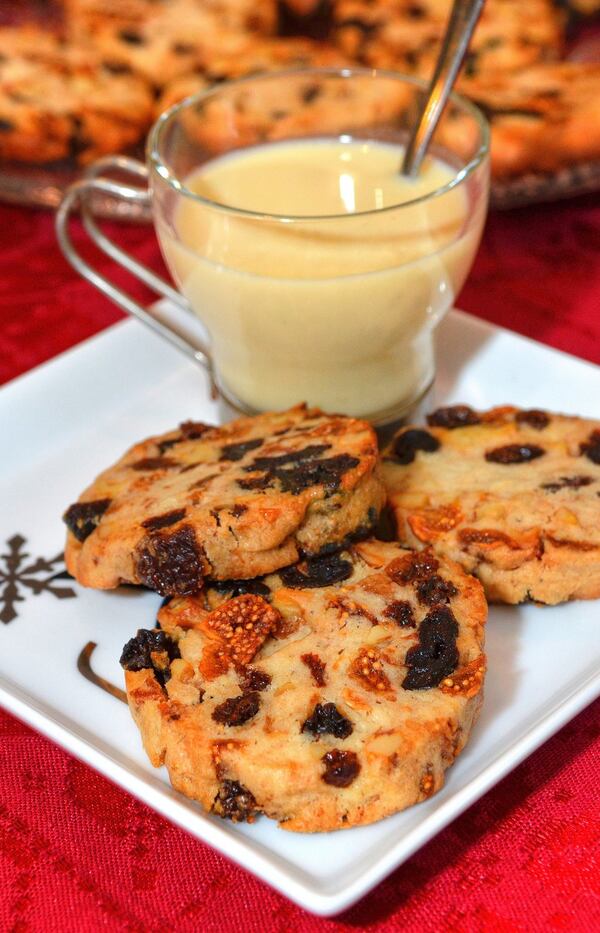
(79, 195)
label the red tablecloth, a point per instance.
(77, 853)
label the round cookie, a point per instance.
(329, 695)
(306, 104)
(225, 502)
(238, 56)
(394, 33)
(511, 494)
(180, 36)
(32, 43)
(61, 107)
(83, 17)
(543, 119)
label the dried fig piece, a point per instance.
(341, 768)
(326, 719)
(418, 565)
(367, 668)
(82, 518)
(427, 784)
(241, 625)
(494, 546)
(487, 538)
(316, 668)
(428, 524)
(574, 545)
(352, 608)
(467, 681)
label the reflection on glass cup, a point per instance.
(318, 271)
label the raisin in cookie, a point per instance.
(233, 501)
(329, 695)
(511, 494)
(56, 109)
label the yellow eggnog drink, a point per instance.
(313, 283)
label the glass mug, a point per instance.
(337, 310)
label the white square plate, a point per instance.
(66, 420)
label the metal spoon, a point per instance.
(462, 22)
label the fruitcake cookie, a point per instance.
(304, 105)
(173, 42)
(511, 494)
(584, 7)
(304, 8)
(31, 42)
(238, 56)
(543, 118)
(330, 695)
(52, 110)
(86, 16)
(391, 33)
(225, 502)
(81, 16)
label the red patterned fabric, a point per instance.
(79, 854)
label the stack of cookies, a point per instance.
(300, 666)
(95, 84)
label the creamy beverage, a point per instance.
(330, 297)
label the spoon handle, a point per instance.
(462, 22)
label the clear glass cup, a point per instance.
(336, 310)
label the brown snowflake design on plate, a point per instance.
(22, 575)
